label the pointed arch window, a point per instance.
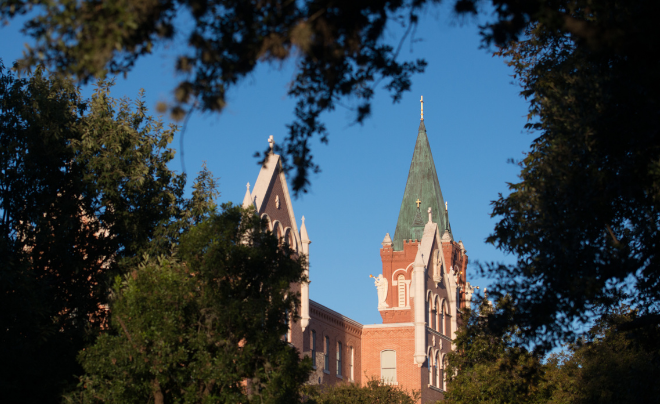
(437, 370)
(429, 318)
(438, 315)
(443, 377)
(401, 284)
(430, 365)
(447, 320)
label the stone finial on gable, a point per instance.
(430, 215)
(387, 241)
(271, 142)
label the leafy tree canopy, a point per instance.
(584, 219)
(607, 365)
(491, 367)
(339, 46)
(204, 325)
(373, 392)
(84, 188)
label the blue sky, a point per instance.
(474, 119)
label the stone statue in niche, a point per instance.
(381, 286)
(277, 201)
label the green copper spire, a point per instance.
(422, 191)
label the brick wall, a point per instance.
(398, 337)
(339, 329)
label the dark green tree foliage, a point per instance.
(489, 367)
(584, 218)
(338, 46)
(349, 393)
(203, 326)
(608, 365)
(84, 187)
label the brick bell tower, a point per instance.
(423, 282)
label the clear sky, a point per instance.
(474, 119)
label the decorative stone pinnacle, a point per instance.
(271, 142)
(304, 237)
(247, 199)
(421, 100)
(430, 215)
(387, 241)
(446, 208)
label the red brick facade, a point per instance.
(408, 349)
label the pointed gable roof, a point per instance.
(271, 178)
(422, 185)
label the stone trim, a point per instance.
(441, 335)
(396, 308)
(388, 325)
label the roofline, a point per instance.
(319, 306)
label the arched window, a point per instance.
(279, 232)
(401, 283)
(429, 318)
(388, 366)
(270, 224)
(443, 378)
(447, 320)
(438, 314)
(438, 370)
(430, 365)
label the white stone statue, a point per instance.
(381, 285)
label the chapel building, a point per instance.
(420, 290)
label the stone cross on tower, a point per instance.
(271, 142)
(421, 100)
